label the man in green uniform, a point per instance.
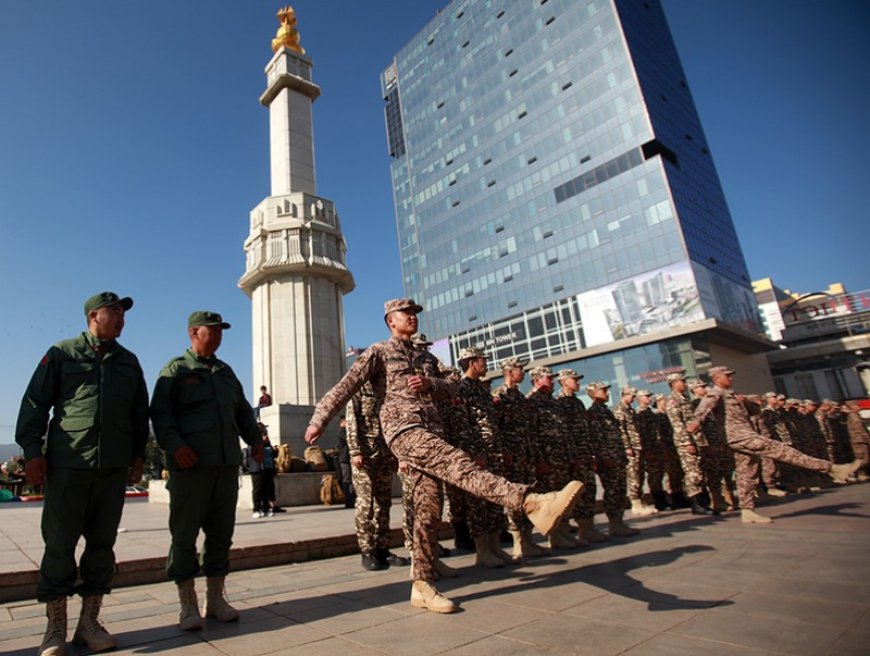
(92, 447)
(199, 410)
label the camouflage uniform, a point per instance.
(512, 420)
(582, 464)
(373, 481)
(610, 457)
(717, 461)
(653, 452)
(665, 442)
(553, 438)
(475, 410)
(413, 429)
(679, 412)
(627, 420)
(858, 438)
(732, 419)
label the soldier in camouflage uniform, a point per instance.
(773, 417)
(733, 421)
(610, 457)
(626, 416)
(858, 437)
(673, 471)
(554, 442)
(583, 459)
(652, 452)
(406, 387)
(687, 440)
(475, 413)
(717, 461)
(512, 416)
(373, 467)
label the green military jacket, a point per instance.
(199, 402)
(100, 406)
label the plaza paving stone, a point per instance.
(686, 585)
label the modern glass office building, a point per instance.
(555, 195)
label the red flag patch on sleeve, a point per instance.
(44, 360)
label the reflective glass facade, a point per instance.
(552, 183)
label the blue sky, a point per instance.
(132, 147)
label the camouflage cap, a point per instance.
(808, 402)
(828, 402)
(596, 385)
(471, 353)
(770, 395)
(716, 371)
(206, 318)
(660, 397)
(420, 339)
(692, 383)
(781, 397)
(397, 304)
(104, 299)
(512, 363)
(644, 392)
(569, 373)
(628, 389)
(540, 372)
(792, 401)
(674, 377)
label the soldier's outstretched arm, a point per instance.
(361, 371)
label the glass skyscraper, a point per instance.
(555, 195)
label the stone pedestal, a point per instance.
(287, 424)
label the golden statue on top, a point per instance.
(287, 36)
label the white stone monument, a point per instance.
(295, 272)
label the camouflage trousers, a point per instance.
(612, 475)
(693, 479)
(634, 475)
(433, 460)
(862, 453)
(751, 448)
(716, 465)
(407, 511)
(373, 484)
(769, 474)
(521, 471)
(661, 461)
(585, 508)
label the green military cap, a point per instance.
(715, 371)
(397, 304)
(628, 389)
(471, 353)
(206, 318)
(674, 377)
(569, 373)
(420, 339)
(512, 363)
(596, 385)
(540, 372)
(692, 383)
(644, 392)
(107, 298)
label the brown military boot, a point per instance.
(89, 631)
(749, 516)
(618, 528)
(54, 640)
(216, 605)
(730, 503)
(530, 547)
(424, 595)
(444, 571)
(589, 532)
(546, 510)
(189, 618)
(640, 510)
(840, 473)
(483, 555)
(497, 551)
(558, 539)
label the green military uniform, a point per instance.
(99, 425)
(199, 402)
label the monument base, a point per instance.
(287, 424)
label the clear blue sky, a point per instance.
(132, 147)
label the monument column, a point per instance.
(295, 271)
